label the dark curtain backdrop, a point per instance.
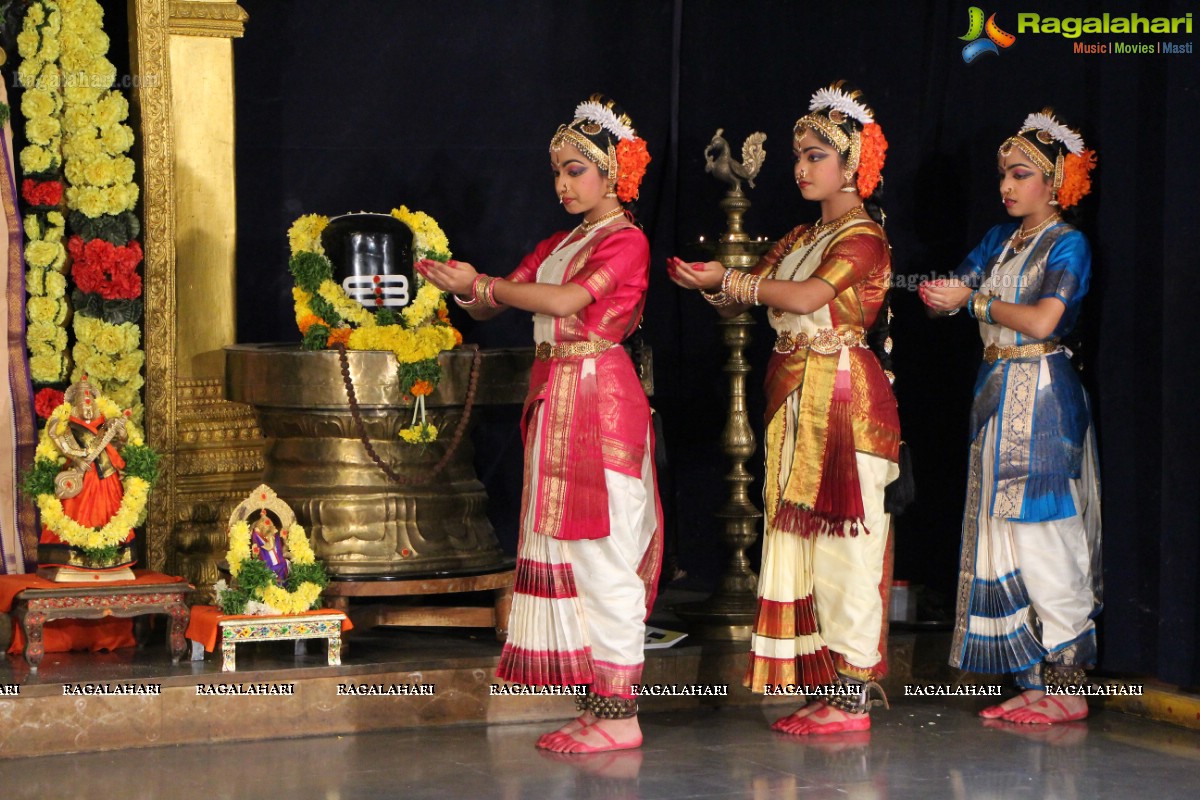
(448, 107)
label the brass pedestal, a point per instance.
(360, 522)
(729, 613)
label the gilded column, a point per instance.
(212, 449)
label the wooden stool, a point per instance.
(338, 595)
(33, 608)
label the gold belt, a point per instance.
(992, 353)
(546, 351)
(827, 341)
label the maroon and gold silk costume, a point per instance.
(828, 407)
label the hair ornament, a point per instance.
(1077, 180)
(1045, 122)
(602, 114)
(837, 99)
(872, 155)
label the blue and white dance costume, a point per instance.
(1029, 577)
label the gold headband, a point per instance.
(567, 134)
(849, 145)
(1041, 161)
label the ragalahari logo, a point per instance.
(976, 46)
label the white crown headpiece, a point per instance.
(603, 115)
(1050, 128)
(834, 97)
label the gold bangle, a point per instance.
(978, 306)
(717, 299)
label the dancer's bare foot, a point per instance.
(1011, 704)
(828, 720)
(582, 721)
(600, 737)
(1050, 709)
(784, 724)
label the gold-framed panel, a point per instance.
(209, 447)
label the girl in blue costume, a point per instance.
(1029, 577)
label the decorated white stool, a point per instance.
(208, 626)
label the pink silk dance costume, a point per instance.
(590, 545)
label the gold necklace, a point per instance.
(588, 227)
(808, 240)
(1021, 238)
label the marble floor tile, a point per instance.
(919, 749)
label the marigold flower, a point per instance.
(870, 162)
(1077, 180)
(632, 158)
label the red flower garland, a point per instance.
(632, 158)
(871, 157)
(102, 268)
(43, 194)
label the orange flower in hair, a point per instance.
(632, 158)
(1077, 181)
(871, 158)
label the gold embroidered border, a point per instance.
(1016, 429)
(812, 424)
(555, 447)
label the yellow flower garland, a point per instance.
(39, 47)
(95, 144)
(277, 597)
(129, 513)
(424, 333)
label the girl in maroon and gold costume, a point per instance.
(591, 534)
(833, 432)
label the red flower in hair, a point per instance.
(45, 401)
(1077, 181)
(42, 193)
(871, 157)
(632, 158)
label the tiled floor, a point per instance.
(916, 750)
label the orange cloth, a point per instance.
(12, 585)
(204, 622)
(62, 635)
(65, 635)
